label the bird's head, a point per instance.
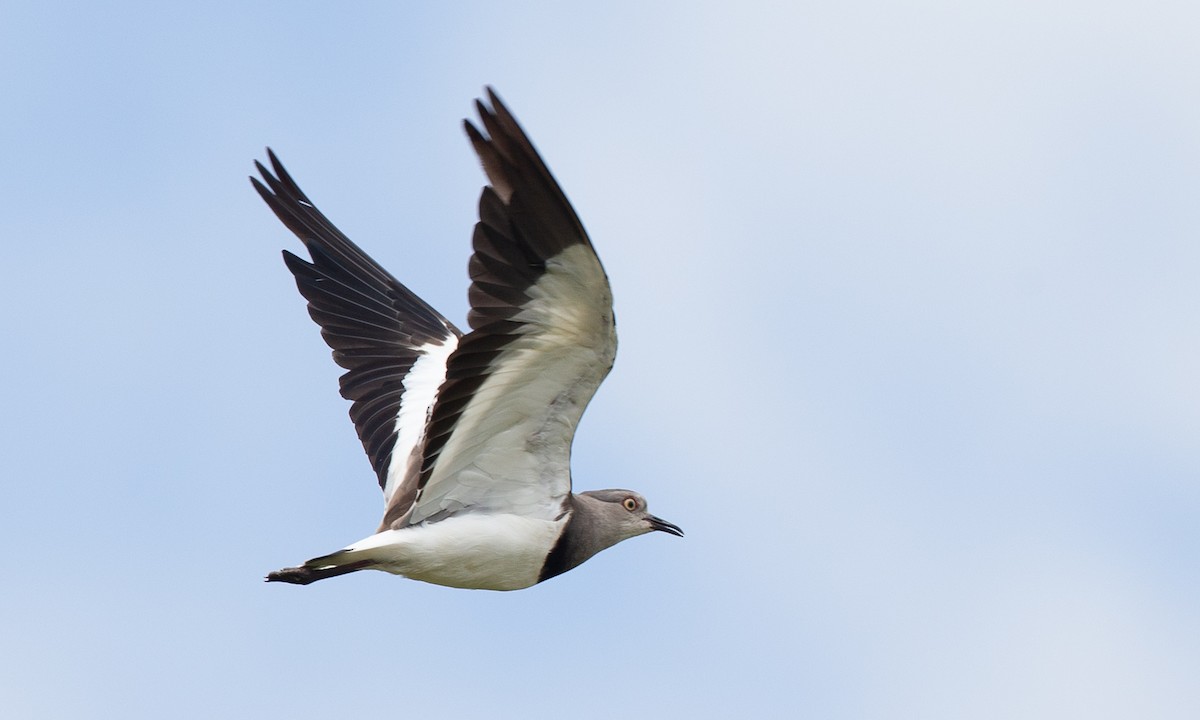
(626, 512)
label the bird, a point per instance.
(470, 434)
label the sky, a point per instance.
(907, 298)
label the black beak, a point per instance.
(660, 524)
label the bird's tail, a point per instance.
(326, 566)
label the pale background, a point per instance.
(908, 298)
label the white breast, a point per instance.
(475, 550)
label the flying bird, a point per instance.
(470, 435)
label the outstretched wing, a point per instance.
(542, 340)
(392, 344)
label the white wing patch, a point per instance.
(420, 393)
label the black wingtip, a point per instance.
(499, 109)
(494, 97)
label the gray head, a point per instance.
(622, 514)
(601, 519)
(626, 515)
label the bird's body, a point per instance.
(487, 552)
(470, 435)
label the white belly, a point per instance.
(487, 552)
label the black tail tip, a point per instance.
(306, 574)
(294, 575)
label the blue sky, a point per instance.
(907, 299)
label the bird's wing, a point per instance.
(542, 340)
(392, 344)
